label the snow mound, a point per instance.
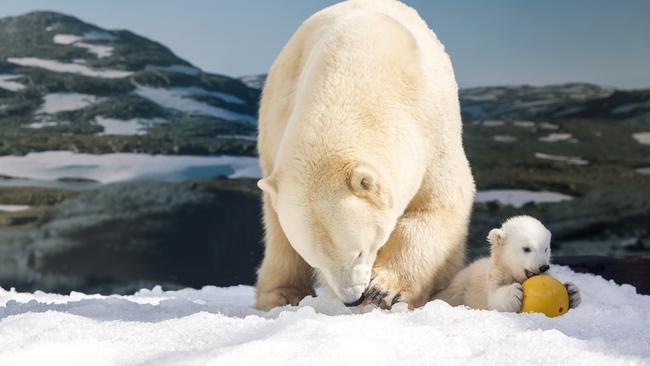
(217, 326)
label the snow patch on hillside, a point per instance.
(134, 126)
(182, 69)
(504, 138)
(642, 137)
(181, 100)
(61, 102)
(555, 137)
(7, 82)
(572, 160)
(13, 208)
(109, 168)
(62, 67)
(218, 326)
(100, 51)
(517, 198)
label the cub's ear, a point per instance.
(496, 236)
(363, 181)
(268, 186)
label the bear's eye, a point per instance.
(526, 249)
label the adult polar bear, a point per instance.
(365, 176)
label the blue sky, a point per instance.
(491, 42)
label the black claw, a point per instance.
(396, 299)
(357, 302)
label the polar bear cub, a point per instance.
(519, 250)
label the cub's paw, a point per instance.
(384, 291)
(574, 295)
(509, 298)
(267, 300)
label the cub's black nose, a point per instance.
(544, 268)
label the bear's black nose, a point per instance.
(544, 268)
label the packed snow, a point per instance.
(504, 138)
(218, 326)
(109, 168)
(61, 102)
(73, 68)
(519, 197)
(572, 160)
(642, 137)
(182, 69)
(134, 126)
(555, 137)
(13, 208)
(181, 100)
(7, 82)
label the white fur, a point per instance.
(360, 146)
(495, 282)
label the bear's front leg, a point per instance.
(506, 298)
(284, 277)
(423, 253)
(574, 295)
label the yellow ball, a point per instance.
(544, 294)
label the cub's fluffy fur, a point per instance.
(519, 249)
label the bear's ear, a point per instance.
(268, 186)
(363, 181)
(496, 236)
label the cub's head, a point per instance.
(336, 215)
(523, 246)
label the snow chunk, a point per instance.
(642, 137)
(504, 138)
(13, 208)
(108, 168)
(180, 99)
(183, 69)
(519, 197)
(554, 137)
(134, 126)
(218, 326)
(61, 102)
(7, 82)
(568, 159)
(57, 66)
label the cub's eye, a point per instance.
(526, 249)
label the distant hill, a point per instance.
(112, 90)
